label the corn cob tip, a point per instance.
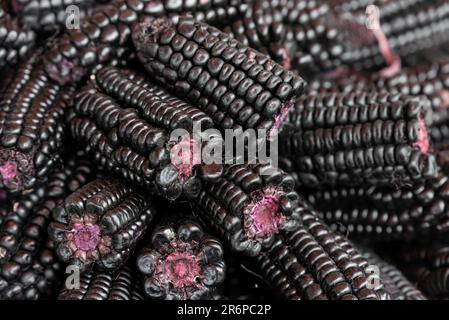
(185, 155)
(423, 142)
(181, 264)
(149, 30)
(280, 118)
(16, 169)
(84, 240)
(63, 71)
(263, 216)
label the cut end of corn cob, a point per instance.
(181, 268)
(423, 142)
(86, 237)
(85, 240)
(185, 155)
(181, 264)
(16, 170)
(263, 216)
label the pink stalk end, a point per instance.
(393, 61)
(287, 61)
(182, 269)
(184, 156)
(263, 217)
(86, 236)
(8, 171)
(423, 142)
(285, 110)
(444, 96)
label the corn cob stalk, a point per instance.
(314, 263)
(359, 139)
(102, 285)
(100, 224)
(235, 85)
(31, 127)
(29, 268)
(248, 206)
(181, 262)
(15, 41)
(397, 285)
(141, 143)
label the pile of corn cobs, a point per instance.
(100, 199)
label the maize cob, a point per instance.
(102, 285)
(182, 262)
(248, 206)
(141, 143)
(314, 263)
(235, 85)
(28, 266)
(100, 224)
(31, 127)
(359, 139)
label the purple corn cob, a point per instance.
(248, 206)
(182, 262)
(31, 127)
(102, 285)
(140, 143)
(235, 85)
(314, 263)
(359, 139)
(29, 269)
(100, 224)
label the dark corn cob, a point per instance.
(182, 262)
(395, 283)
(100, 224)
(29, 269)
(427, 79)
(359, 139)
(31, 127)
(102, 285)
(211, 11)
(141, 143)
(103, 36)
(235, 85)
(423, 264)
(46, 16)
(15, 42)
(387, 213)
(314, 263)
(412, 212)
(248, 206)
